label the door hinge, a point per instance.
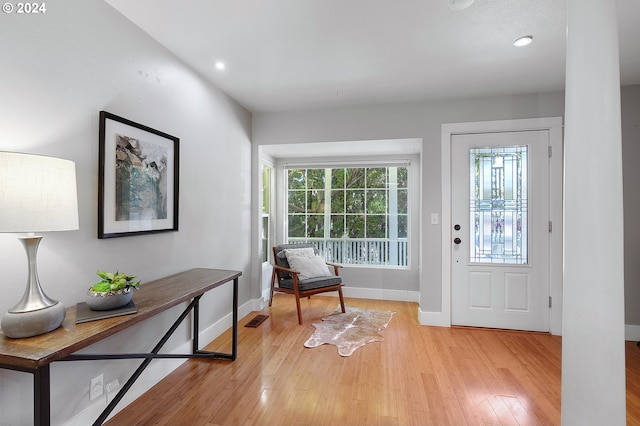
(550, 151)
(550, 226)
(550, 301)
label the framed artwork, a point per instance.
(137, 179)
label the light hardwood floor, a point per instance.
(417, 376)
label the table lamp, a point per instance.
(37, 194)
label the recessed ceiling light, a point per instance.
(220, 65)
(523, 41)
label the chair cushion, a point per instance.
(312, 283)
(307, 263)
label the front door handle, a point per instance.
(457, 240)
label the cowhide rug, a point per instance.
(350, 330)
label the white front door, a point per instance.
(500, 230)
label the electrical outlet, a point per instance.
(112, 386)
(96, 389)
(112, 389)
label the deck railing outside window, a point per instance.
(360, 251)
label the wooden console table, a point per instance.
(35, 354)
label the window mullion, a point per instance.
(393, 215)
(327, 209)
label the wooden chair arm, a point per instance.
(294, 274)
(335, 267)
(282, 268)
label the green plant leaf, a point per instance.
(101, 286)
(115, 281)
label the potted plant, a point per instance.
(114, 290)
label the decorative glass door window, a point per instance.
(498, 205)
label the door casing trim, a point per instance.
(555, 127)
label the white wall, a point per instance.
(419, 120)
(59, 69)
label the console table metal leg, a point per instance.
(196, 328)
(234, 330)
(234, 349)
(41, 396)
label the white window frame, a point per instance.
(268, 233)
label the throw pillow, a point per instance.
(308, 265)
(306, 251)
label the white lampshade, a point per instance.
(37, 193)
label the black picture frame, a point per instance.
(138, 177)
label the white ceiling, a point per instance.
(286, 55)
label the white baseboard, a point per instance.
(159, 370)
(375, 294)
(224, 323)
(434, 319)
(381, 294)
(367, 293)
(632, 333)
(265, 297)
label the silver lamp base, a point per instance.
(33, 323)
(35, 313)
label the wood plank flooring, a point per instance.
(417, 376)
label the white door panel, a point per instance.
(500, 253)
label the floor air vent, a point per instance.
(256, 321)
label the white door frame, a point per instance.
(555, 127)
